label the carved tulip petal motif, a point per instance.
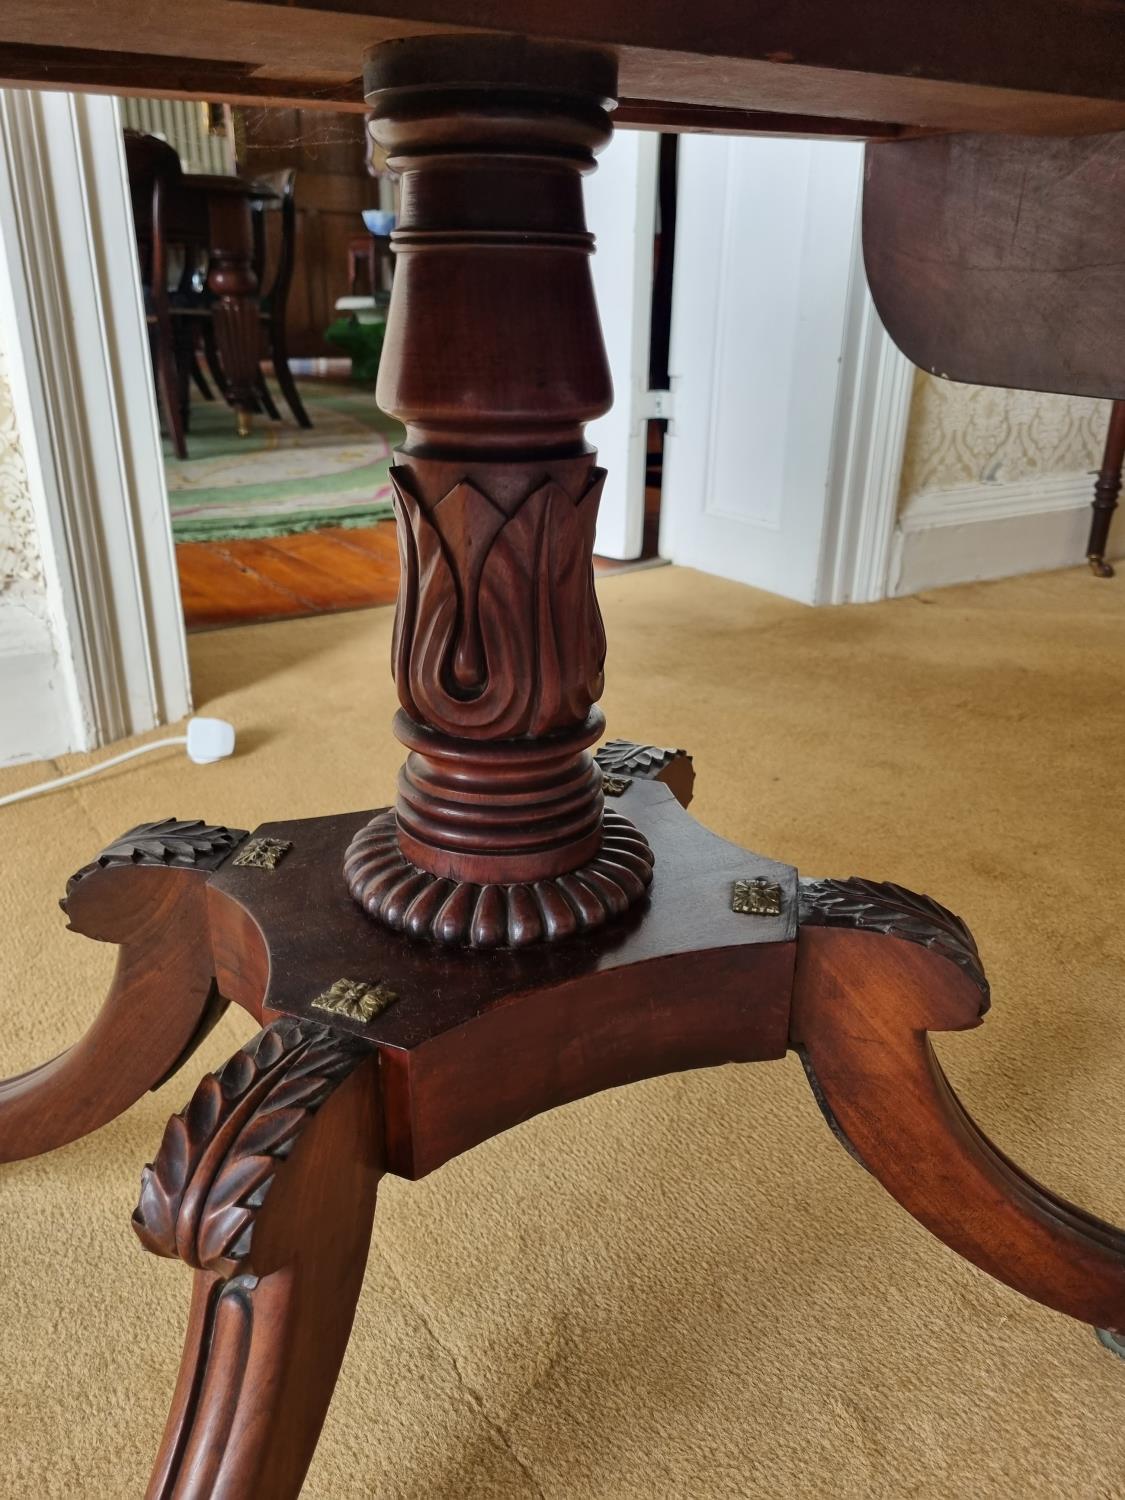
(498, 632)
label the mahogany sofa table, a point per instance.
(529, 924)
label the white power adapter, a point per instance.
(207, 741)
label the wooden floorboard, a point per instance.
(285, 577)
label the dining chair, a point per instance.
(1106, 491)
(154, 171)
(274, 300)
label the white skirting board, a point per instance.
(37, 721)
(993, 531)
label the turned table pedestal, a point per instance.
(530, 922)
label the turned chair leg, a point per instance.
(168, 385)
(163, 999)
(266, 1184)
(265, 396)
(279, 357)
(199, 380)
(1106, 491)
(863, 1003)
(211, 357)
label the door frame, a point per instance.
(869, 446)
(621, 211)
(85, 408)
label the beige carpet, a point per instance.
(686, 1288)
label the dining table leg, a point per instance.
(237, 319)
(1106, 491)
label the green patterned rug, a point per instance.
(283, 478)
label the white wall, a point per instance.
(112, 661)
(40, 714)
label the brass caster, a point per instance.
(1099, 567)
(245, 425)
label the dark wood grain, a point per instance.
(459, 910)
(1001, 260)
(993, 260)
(160, 1005)
(1031, 65)
(864, 1002)
(680, 981)
(494, 361)
(267, 1183)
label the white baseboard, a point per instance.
(993, 531)
(38, 722)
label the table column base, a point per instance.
(464, 913)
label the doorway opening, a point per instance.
(277, 469)
(660, 337)
(276, 455)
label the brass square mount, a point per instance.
(356, 999)
(263, 854)
(756, 898)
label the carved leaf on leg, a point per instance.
(266, 1184)
(498, 632)
(171, 841)
(622, 760)
(221, 1153)
(879, 906)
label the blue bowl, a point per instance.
(379, 220)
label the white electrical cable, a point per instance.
(115, 760)
(207, 740)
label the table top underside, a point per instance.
(866, 68)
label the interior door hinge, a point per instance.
(656, 404)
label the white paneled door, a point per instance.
(775, 458)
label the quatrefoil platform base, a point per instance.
(379, 1053)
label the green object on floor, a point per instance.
(283, 478)
(363, 340)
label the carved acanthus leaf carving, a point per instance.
(624, 758)
(875, 906)
(169, 842)
(498, 632)
(199, 1200)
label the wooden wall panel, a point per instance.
(333, 187)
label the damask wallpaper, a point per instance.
(968, 434)
(20, 561)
